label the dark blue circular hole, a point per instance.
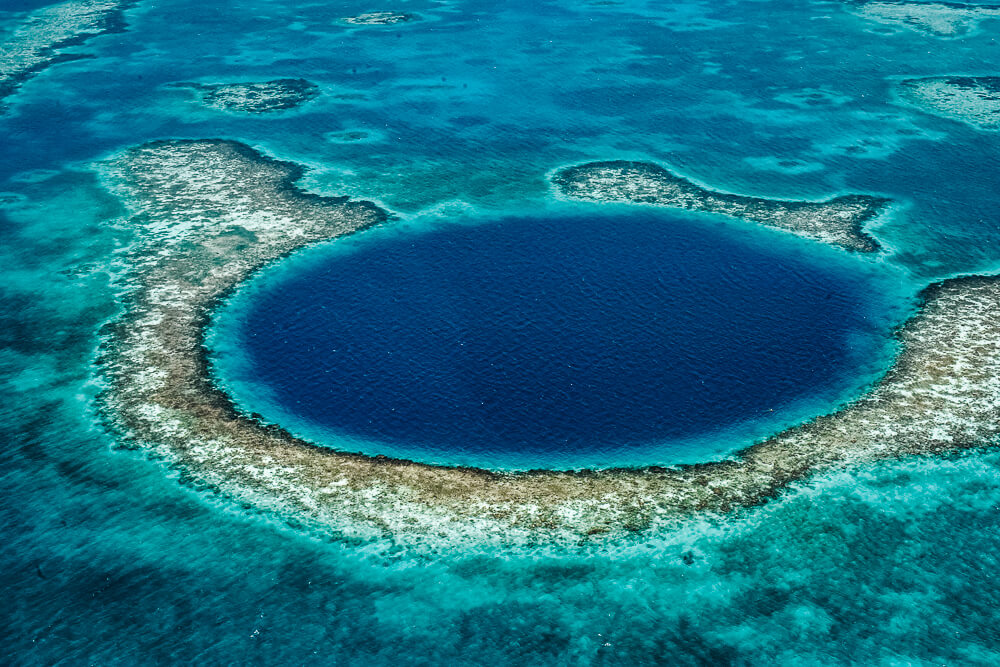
(559, 340)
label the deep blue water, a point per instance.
(108, 559)
(602, 338)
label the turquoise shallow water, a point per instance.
(109, 560)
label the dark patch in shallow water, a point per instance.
(538, 340)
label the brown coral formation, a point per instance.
(255, 97)
(839, 221)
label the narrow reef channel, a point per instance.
(209, 213)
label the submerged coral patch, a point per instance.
(352, 136)
(839, 221)
(941, 19)
(974, 100)
(380, 18)
(209, 213)
(43, 36)
(255, 97)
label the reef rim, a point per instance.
(209, 213)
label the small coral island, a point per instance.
(974, 100)
(255, 97)
(207, 214)
(838, 221)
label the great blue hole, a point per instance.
(596, 339)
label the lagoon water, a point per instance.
(602, 338)
(111, 559)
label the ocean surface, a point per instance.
(608, 337)
(456, 119)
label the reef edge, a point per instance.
(208, 213)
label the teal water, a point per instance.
(109, 560)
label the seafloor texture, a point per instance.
(210, 212)
(255, 97)
(839, 221)
(970, 99)
(941, 19)
(43, 36)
